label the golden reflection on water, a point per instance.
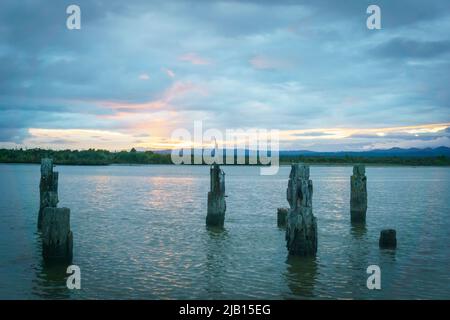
(165, 189)
(216, 259)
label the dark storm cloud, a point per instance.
(14, 135)
(399, 48)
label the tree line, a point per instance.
(105, 157)
(83, 157)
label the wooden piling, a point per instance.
(282, 216)
(48, 188)
(57, 238)
(358, 194)
(388, 239)
(216, 197)
(301, 225)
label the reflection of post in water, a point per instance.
(301, 274)
(216, 260)
(358, 255)
(388, 255)
(358, 230)
(50, 282)
(51, 276)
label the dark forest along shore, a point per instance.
(420, 157)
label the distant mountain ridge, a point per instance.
(392, 152)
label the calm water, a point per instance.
(139, 232)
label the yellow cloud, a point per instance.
(157, 136)
(341, 133)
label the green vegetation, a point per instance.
(83, 157)
(104, 157)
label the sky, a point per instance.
(137, 71)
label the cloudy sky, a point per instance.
(138, 70)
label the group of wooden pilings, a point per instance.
(300, 223)
(298, 219)
(358, 206)
(53, 222)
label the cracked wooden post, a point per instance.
(282, 216)
(301, 225)
(48, 188)
(358, 195)
(57, 238)
(216, 197)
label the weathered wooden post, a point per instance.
(282, 216)
(388, 239)
(358, 195)
(216, 197)
(301, 225)
(48, 188)
(57, 238)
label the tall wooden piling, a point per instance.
(301, 225)
(358, 194)
(48, 188)
(57, 238)
(282, 216)
(216, 197)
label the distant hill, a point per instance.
(395, 156)
(393, 152)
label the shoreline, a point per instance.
(282, 164)
(95, 157)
